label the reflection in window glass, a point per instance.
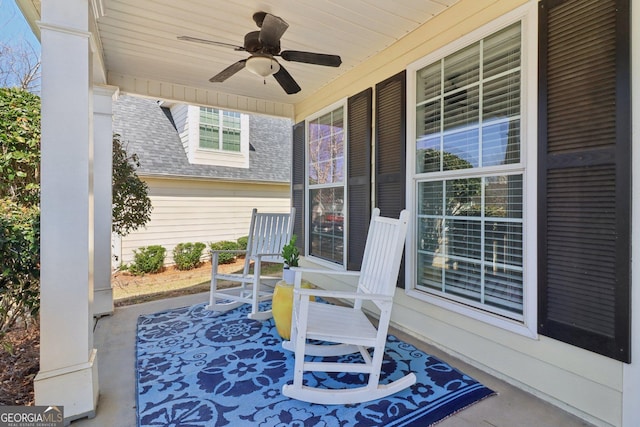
(326, 166)
(327, 223)
(326, 148)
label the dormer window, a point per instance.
(219, 130)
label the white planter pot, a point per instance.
(288, 275)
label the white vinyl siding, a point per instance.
(196, 211)
(180, 114)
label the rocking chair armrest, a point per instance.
(326, 272)
(227, 251)
(261, 254)
(342, 294)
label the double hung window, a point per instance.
(326, 140)
(468, 176)
(219, 129)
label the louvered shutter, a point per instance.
(584, 175)
(297, 183)
(359, 118)
(390, 142)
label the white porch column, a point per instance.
(68, 365)
(631, 372)
(103, 97)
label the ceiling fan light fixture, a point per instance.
(262, 66)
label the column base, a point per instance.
(74, 387)
(102, 302)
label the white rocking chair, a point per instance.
(346, 330)
(268, 233)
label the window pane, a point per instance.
(326, 149)
(327, 223)
(209, 116)
(462, 278)
(462, 68)
(209, 137)
(503, 288)
(430, 198)
(464, 196)
(503, 244)
(430, 249)
(461, 150)
(231, 119)
(463, 238)
(503, 196)
(501, 143)
(428, 82)
(337, 152)
(501, 97)
(231, 140)
(461, 109)
(428, 137)
(501, 51)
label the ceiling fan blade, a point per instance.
(228, 72)
(311, 58)
(212, 42)
(286, 81)
(273, 27)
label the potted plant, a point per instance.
(291, 256)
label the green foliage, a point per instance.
(131, 204)
(243, 242)
(19, 261)
(290, 252)
(148, 259)
(20, 146)
(187, 255)
(225, 245)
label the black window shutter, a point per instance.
(390, 140)
(298, 181)
(585, 174)
(359, 120)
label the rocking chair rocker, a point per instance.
(268, 233)
(346, 330)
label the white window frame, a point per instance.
(211, 156)
(307, 188)
(527, 326)
(221, 128)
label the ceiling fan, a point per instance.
(263, 46)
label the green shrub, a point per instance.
(148, 259)
(20, 146)
(20, 266)
(242, 242)
(225, 245)
(187, 255)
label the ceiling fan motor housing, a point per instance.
(252, 44)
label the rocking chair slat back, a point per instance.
(383, 253)
(268, 233)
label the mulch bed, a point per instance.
(19, 364)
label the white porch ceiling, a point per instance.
(138, 39)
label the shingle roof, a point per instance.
(147, 130)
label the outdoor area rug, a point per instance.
(201, 368)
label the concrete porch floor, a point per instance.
(115, 340)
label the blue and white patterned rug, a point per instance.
(200, 368)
